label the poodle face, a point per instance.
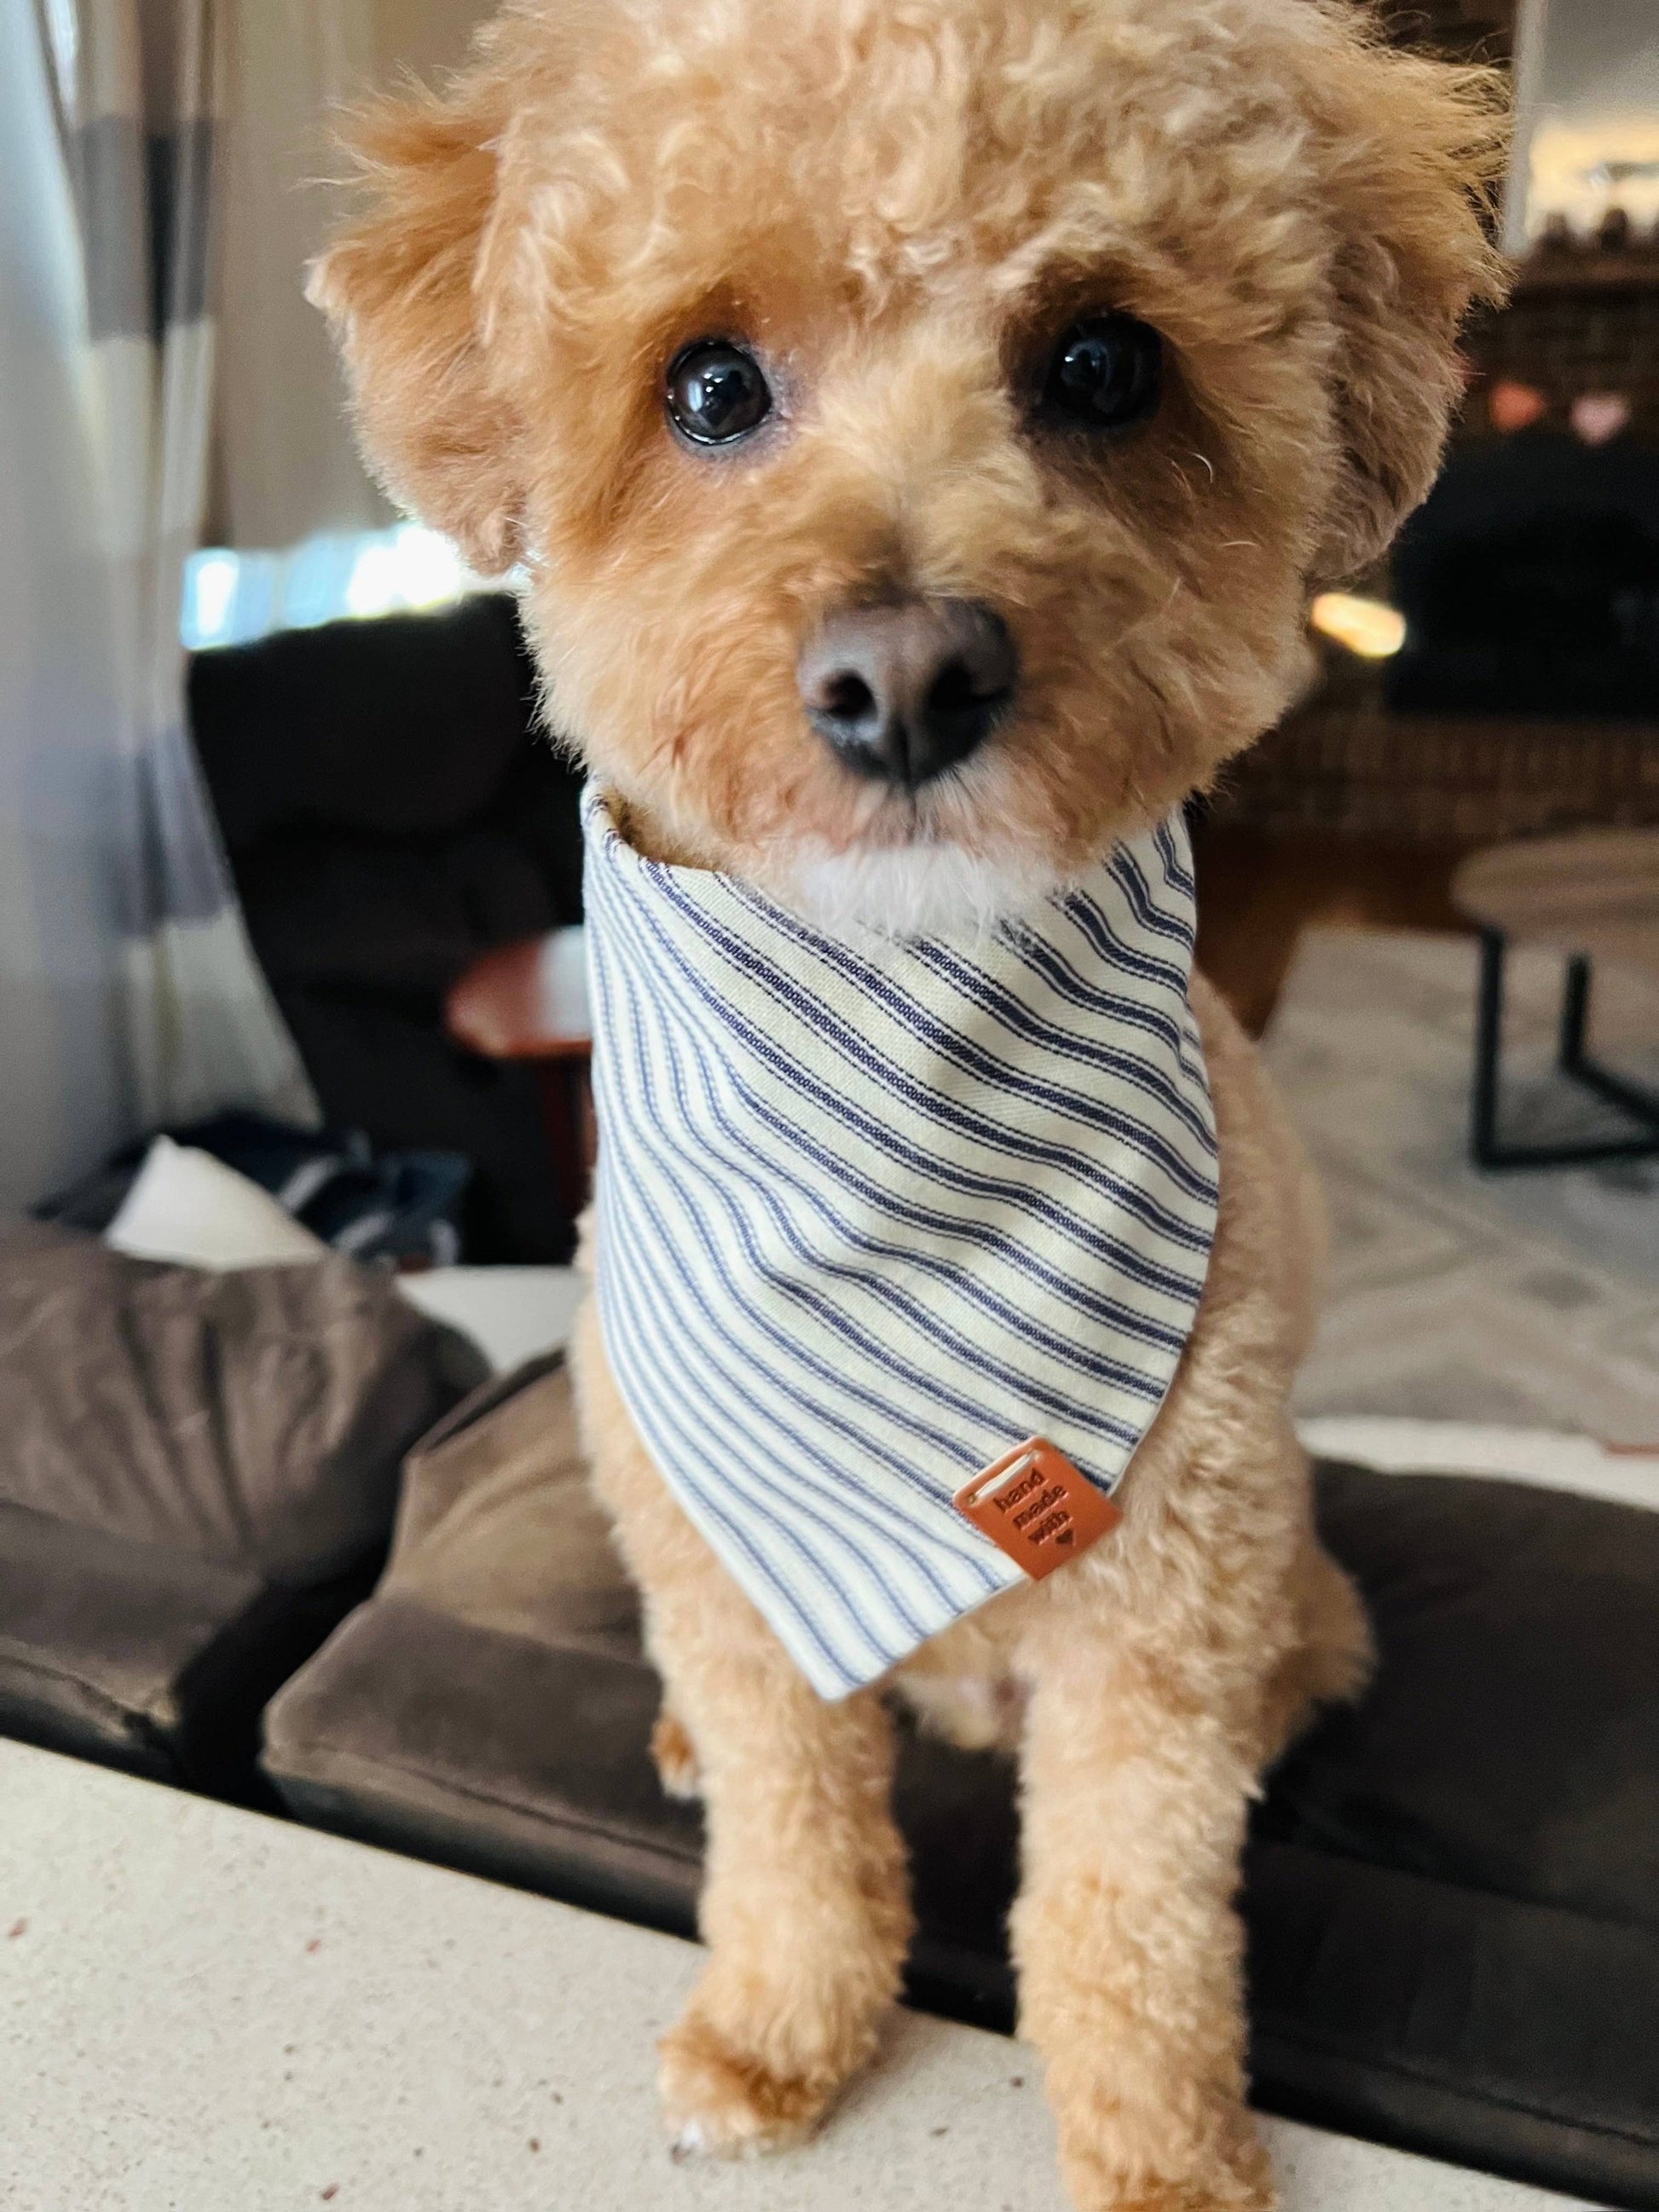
(785, 342)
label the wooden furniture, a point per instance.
(1590, 896)
(1259, 889)
(528, 1001)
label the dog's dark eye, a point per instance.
(1106, 373)
(716, 393)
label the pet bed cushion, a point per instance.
(1452, 1893)
(197, 1476)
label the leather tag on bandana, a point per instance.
(1035, 1505)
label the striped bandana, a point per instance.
(872, 1211)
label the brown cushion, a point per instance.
(96, 1633)
(1452, 1893)
(255, 1417)
(197, 1475)
(496, 1526)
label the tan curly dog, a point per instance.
(720, 319)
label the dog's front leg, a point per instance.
(1125, 1935)
(805, 1904)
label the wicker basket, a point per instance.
(1343, 764)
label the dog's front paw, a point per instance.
(1174, 2197)
(1244, 2185)
(719, 2102)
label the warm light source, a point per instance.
(1369, 627)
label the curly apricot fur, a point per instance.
(897, 204)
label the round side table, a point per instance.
(1592, 896)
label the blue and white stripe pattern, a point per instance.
(872, 1211)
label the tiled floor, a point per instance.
(1528, 1299)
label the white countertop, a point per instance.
(202, 2010)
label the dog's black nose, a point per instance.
(905, 689)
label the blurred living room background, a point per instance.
(291, 971)
(274, 787)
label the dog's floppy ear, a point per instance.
(398, 289)
(1409, 151)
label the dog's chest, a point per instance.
(870, 1214)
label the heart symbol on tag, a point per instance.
(1599, 415)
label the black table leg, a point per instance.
(1575, 1014)
(1487, 1145)
(1488, 1051)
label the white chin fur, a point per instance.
(907, 891)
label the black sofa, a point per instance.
(391, 811)
(1451, 1892)
(198, 1478)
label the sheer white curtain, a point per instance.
(288, 465)
(140, 85)
(64, 1089)
(139, 140)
